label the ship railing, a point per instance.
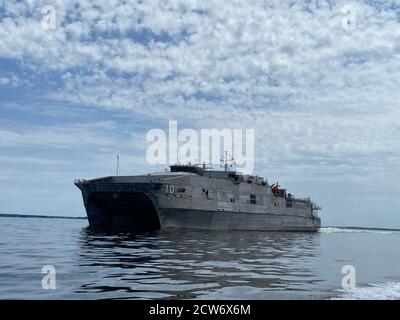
(315, 206)
(79, 181)
(302, 199)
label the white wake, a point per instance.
(346, 230)
(382, 291)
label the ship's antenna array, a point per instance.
(227, 161)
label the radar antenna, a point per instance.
(227, 161)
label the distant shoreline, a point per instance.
(11, 215)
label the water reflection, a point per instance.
(197, 264)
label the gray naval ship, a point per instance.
(194, 196)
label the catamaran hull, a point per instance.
(136, 207)
(225, 220)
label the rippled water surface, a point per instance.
(186, 264)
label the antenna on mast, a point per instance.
(226, 161)
(117, 165)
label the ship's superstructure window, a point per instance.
(187, 168)
(253, 199)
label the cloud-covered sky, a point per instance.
(323, 99)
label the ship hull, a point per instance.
(130, 210)
(225, 220)
(135, 208)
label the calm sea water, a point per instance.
(179, 264)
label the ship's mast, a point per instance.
(117, 165)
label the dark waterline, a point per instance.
(182, 264)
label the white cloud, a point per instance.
(10, 80)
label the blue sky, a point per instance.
(323, 100)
